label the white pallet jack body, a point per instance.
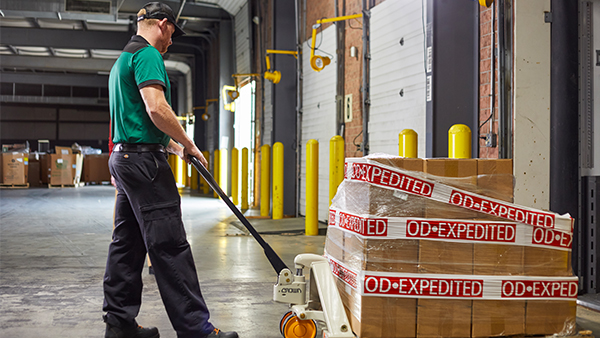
(291, 288)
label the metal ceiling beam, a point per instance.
(82, 101)
(7, 13)
(62, 38)
(192, 9)
(56, 63)
(79, 80)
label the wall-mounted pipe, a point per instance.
(366, 101)
(299, 41)
(184, 69)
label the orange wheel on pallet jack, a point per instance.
(294, 327)
(283, 319)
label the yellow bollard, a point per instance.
(234, 176)
(336, 165)
(244, 178)
(204, 185)
(407, 143)
(223, 168)
(216, 168)
(179, 177)
(194, 184)
(173, 164)
(278, 180)
(312, 188)
(459, 141)
(185, 179)
(265, 179)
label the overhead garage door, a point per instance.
(318, 118)
(397, 80)
(242, 40)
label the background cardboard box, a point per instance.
(33, 174)
(63, 150)
(498, 318)
(60, 169)
(64, 169)
(44, 168)
(444, 318)
(15, 167)
(95, 168)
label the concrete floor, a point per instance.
(53, 246)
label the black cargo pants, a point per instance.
(148, 219)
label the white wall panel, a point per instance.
(318, 118)
(531, 132)
(397, 67)
(231, 6)
(242, 40)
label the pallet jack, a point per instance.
(322, 305)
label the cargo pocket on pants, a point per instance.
(164, 227)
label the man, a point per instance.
(148, 206)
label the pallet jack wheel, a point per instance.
(294, 327)
(283, 319)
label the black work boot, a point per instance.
(221, 334)
(131, 332)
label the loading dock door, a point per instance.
(397, 74)
(318, 118)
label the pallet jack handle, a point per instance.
(273, 258)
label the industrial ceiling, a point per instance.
(86, 36)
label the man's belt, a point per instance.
(138, 147)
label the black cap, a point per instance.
(158, 10)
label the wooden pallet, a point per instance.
(14, 186)
(54, 186)
(97, 183)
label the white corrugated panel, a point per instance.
(231, 6)
(318, 118)
(267, 124)
(242, 41)
(397, 67)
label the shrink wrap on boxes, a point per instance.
(440, 250)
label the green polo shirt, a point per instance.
(139, 65)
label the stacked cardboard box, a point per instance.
(371, 232)
(62, 168)
(34, 171)
(95, 168)
(15, 161)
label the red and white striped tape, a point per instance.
(473, 231)
(441, 286)
(365, 170)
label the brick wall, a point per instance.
(319, 9)
(354, 78)
(487, 99)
